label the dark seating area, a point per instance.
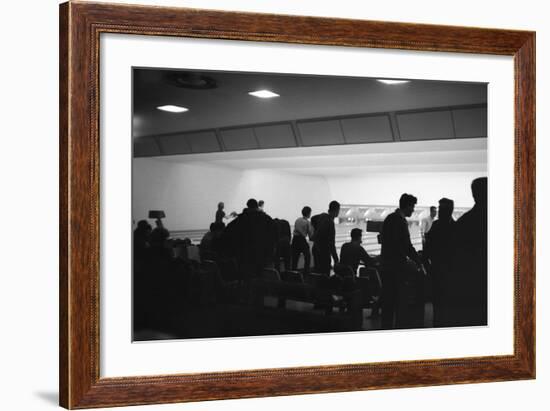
(195, 300)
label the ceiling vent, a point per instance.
(195, 81)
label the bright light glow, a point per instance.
(393, 81)
(173, 109)
(263, 94)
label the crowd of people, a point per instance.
(454, 255)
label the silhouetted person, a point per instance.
(153, 283)
(399, 261)
(210, 245)
(282, 248)
(220, 214)
(426, 223)
(141, 238)
(302, 231)
(467, 285)
(324, 238)
(439, 249)
(158, 253)
(250, 238)
(353, 253)
(261, 205)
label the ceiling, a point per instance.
(301, 97)
(353, 160)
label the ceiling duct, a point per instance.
(195, 81)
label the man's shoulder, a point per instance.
(266, 217)
(469, 217)
(320, 218)
(436, 224)
(395, 216)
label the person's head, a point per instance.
(407, 203)
(158, 237)
(261, 204)
(356, 234)
(479, 191)
(252, 204)
(334, 208)
(306, 211)
(221, 205)
(144, 226)
(433, 211)
(446, 208)
(212, 227)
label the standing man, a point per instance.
(220, 214)
(426, 224)
(302, 231)
(324, 238)
(466, 299)
(439, 249)
(400, 262)
(250, 239)
(282, 246)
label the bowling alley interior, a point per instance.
(278, 203)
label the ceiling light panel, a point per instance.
(393, 81)
(173, 109)
(263, 94)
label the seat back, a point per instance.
(343, 270)
(315, 279)
(292, 277)
(270, 274)
(210, 266)
(372, 277)
(193, 253)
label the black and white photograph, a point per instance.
(272, 204)
(275, 205)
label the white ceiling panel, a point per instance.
(239, 139)
(369, 129)
(275, 136)
(146, 147)
(321, 133)
(352, 159)
(426, 125)
(470, 122)
(175, 144)
(203, 142)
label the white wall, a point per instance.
(386, 188)
(189, 193)
(284, 194)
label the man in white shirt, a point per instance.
(426, 223)
(302, 230)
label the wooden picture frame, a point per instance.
(80, 27)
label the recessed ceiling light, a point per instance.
(392, 81)
(173, 109)
(263, 94)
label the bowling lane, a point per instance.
(370, 240)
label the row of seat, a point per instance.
(321, 289)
